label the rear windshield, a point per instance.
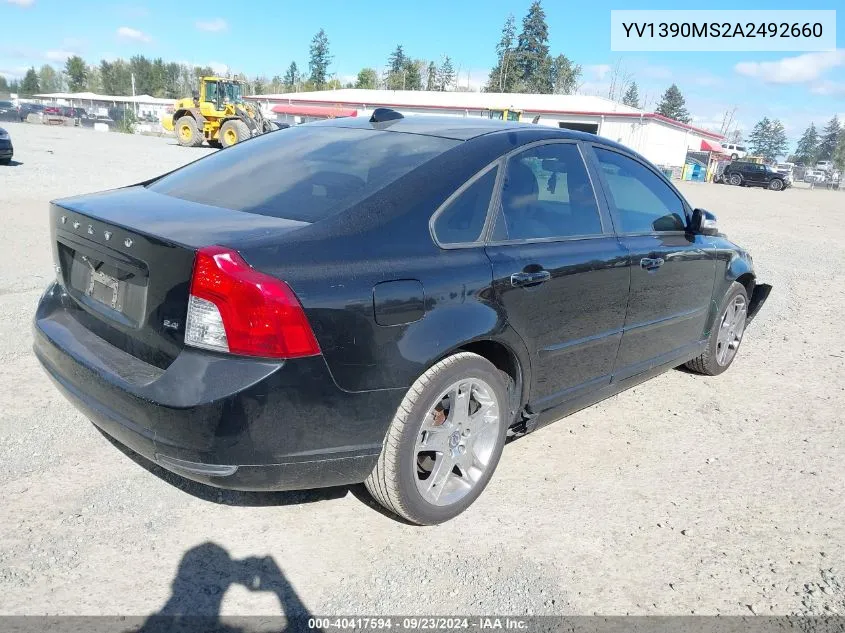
(304, 173)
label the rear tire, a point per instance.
(438, 456)
(187, 132)
(233, 132)
(726, 334)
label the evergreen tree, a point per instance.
(367, 79)
(291, 77)
(48, 79)
(173, 89)
(759, 136)
(777, 141)
(673, 105)
(431, 79)
(95, 81)
(532, 51)
(394, 77)
(320, 60)
(396, 61)
(839, 153)
(808, 146)
(4, 86)
(829, 139)
(29, 85)
(632, 96)
(159, 78)
(502, 78)
(413, 77)
(768, 139)
(563, 75)
(445, 74)
(77, 74)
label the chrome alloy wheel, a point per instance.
(456, 441)
(731, 327)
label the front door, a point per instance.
(672, 271)
(559, 273)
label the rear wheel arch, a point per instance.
(504, 358)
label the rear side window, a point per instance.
(547, 194)
(463, 219)
(304, 173)
(644, 203)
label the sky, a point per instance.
(262, 37)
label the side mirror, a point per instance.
(704, 222)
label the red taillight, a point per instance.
(261, 315)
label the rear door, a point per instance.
(756, 174)
(672, 271)
(559, 273)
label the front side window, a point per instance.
(211, 91)
(644, 202)
(547, 193)
(463, 219)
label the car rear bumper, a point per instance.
(6, 149)
(226, 421)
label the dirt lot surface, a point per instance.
(684, 495)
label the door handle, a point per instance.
(651, 263)
(528, 279)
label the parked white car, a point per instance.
(814, 176)
(786, 169)
(824, 165)
(734, 151)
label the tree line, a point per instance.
(829, 144)
(524, 64)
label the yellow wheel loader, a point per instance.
(505, 114)
(217, 114)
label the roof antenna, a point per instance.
(536, 119)
(380, 115)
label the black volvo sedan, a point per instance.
(381, 301)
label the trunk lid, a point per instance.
(125, 258)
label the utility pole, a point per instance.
(134, 103)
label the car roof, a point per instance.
(460, 128)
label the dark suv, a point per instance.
(755, 175)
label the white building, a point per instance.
(100, 104)
(663, 141)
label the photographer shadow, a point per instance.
(205, 574)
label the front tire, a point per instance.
(232, 132)
(776, 184)
(444, 442)
(736, 180)
(726, 334)
(187, 132)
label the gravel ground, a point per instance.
(684, 495)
